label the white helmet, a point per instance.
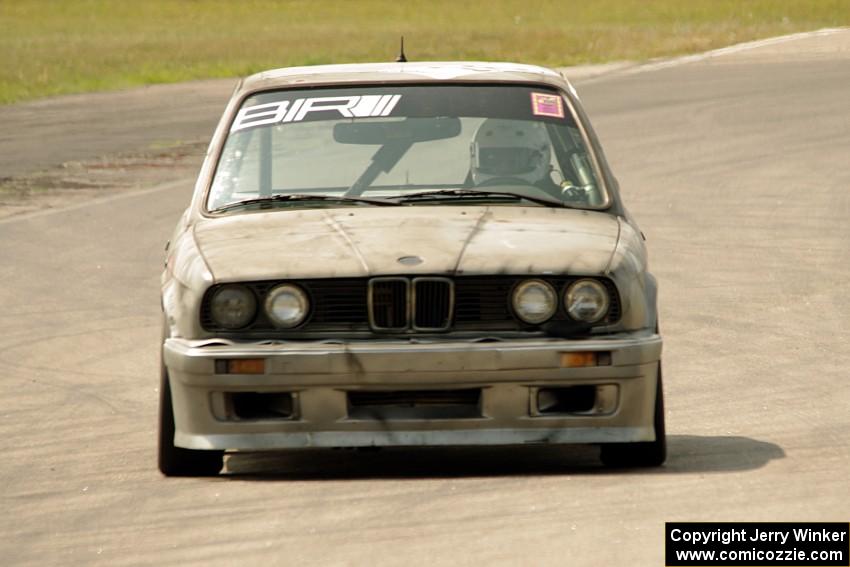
(516, 149)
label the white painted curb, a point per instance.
(594, 73)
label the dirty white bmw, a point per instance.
(407, 254)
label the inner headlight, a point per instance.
(233, 306)
(586, 301)
(534, 301)
(287, 306)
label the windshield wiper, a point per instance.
(301, 197)
(476, 193)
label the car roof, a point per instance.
(416, 72)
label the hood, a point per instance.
(449, 240)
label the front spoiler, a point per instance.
(320, 374)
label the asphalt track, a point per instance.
(737, 168)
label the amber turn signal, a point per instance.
(240, 366)
(586, 358)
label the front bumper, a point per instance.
(319, 377)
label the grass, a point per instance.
(55, 47)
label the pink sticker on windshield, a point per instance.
(545, 104)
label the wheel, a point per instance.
(644, 453)
(176, 461)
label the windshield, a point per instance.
(356, 145)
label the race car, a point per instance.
(407, 254)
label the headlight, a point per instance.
(586, 301)
(287, 306)
(233, 306)
(534, 301)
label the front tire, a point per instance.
(176, 461)
(643, 454)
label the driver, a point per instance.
(503, 151)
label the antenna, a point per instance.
(401, 58)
